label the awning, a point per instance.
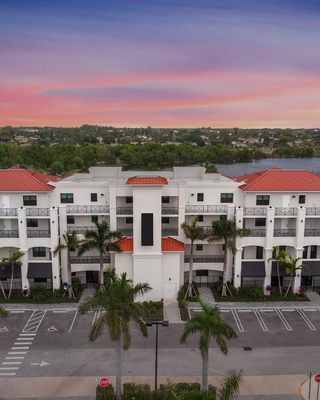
(253, 269)
(282, 270)
(313, 270)
(39, 270)
(6, 272)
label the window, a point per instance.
(259, 253)
(263, 200)
(72, 249)
(165, 199)
(94, 218)
(223, 217)
(129, 220)
(200, 196)
(313, 252)
(202, 272)
(282, 248)
(29, 200)
(260, 222)
(129, 199)
(32, 223)
(94, 197)
(70, 219)
(165, 220)
(199, 247)
(200, 218)
(305, 252)
(226, 198)
(302, 199)
(40, 280)
(39, 252)
(66, 197)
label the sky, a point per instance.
(160, 63)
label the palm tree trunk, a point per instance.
(291, 279)
(101, 270)
(3, 292)
(279, 282)
(205, 361)
(11, 280)
(118, 368)
(70, 291)
(190, 271)
(225, 265)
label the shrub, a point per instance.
(182, 291)
(109, 393)
(251, 293)
(76, 284)
(39, 293)
(141, 392)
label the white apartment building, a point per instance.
(279, 206)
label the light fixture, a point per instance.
(192, 194)
(20, 222)
(302, 220)
(270, 220)
(102, 194)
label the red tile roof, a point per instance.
(167, 244)
(155, 180)
(24, 180)
(277, 179)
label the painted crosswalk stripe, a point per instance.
(7, 373)
(20, 348)
(17, 352)
(27, 334)
(25, 338)
(10, 368)
(14, 358)
(11, 362)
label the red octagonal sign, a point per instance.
(104, 382)
(317, 378)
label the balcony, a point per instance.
(312, 232)
(9, 234)
(313, 211)
(205, 259)
(169, 210)
(8, 212)
(89, 260)
(169, 232)
(81, 229)
(257, 233)
(255, 211)
(206, 209)
(286, 211)
(38, 234)
(284, 233)
(124, 210)
(87, 209)
(38, 212)
(126, 231)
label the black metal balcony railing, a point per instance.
(38, 212)
(312, 232)
(286, 211)
(8, 212)
(88, 209)
(257, 233)
(169, 210)
(169, 232)
(89, 260)
(255, 211)
(38, 234)
(284, 233)
(124, 210)
(81, 229)
(205, 259)
(9, 234)
(313, 211)
(126, 231)
(207, 209)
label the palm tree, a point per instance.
(13, 260)
(210, 168)
(226, 231)
(230, 385)
(118, 302)
(209, 324)
(278, 256)
(71, 242)
(291, 267)
(102, 240)
(193, 232)
(3, 313)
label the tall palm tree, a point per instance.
(12, 260)
(102, 240)
(291, 267)
(118, 302)
(71, 242)
(279, 257)
(193, 232)
(226, 231)
(3, 313)
(209, 324)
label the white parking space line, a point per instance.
(306, 320)
(96, 317)
(288, 309)
(224, 310)
(266, 310)
(8, 373)
(71, 321)
(261, 321)
(240, 311)
(284, 321)
(35, 321)
(17, 312)
(60, 311)
(310, 309)
(237, 319)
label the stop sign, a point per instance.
(104, 382)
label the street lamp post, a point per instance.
(157, 323)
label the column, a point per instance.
(237, 268)
(63, 257)
(296, 283)
(268, 269)
(113, 208)
(22, 226)
(54, 227)
(181, 211)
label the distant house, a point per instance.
(21, 139)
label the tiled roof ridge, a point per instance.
(262, 175)
(33, 177)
